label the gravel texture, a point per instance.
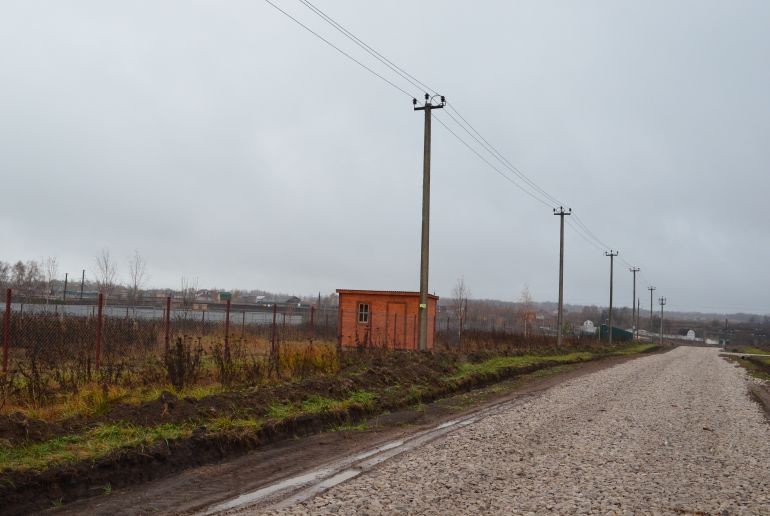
(669, 433)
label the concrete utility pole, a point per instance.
(634, 324)
(64, 295)
(638, 318)
(612, 259)
(560, 318)
(422, 330)
(82, 282)
(662, 302)
(651, 289)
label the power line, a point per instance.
(338, 49)
(528, 186)
(482, 158)
(355, 39)
(417, 83)
(492, 150)
(582, 235)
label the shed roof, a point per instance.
(383, 293)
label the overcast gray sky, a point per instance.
(224, 142)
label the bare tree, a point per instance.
(459, 303)
(189, 291)
(5, 277)
(51, 265)
(106, 272)
(26, 277)
(525, 308)
(137, 271)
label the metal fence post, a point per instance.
(6, 329)
(227, 326)
(312, 323)
(99, 322)
(167, 335)
(273, 344)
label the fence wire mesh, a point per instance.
(54, 347)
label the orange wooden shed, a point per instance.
(383, 318)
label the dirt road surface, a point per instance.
(674, 433)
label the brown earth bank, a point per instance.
(761, 393)
(29, 490)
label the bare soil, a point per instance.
(197, 488)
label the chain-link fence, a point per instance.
(60, 346)
(53, 347)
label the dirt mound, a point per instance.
(17, 428)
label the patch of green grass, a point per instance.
(282, 410)
(228, 423)
(320, 404)
(363, 398)
(94, 443)
(750, 350)
(551, 371)
(754, 369)
(416, 392)
(636, 347)
(753, 350)
(497, 363)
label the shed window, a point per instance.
(363, 312)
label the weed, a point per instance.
(182, 363)
(282, 411)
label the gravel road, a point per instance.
(669, 433)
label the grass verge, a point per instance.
(94, 443)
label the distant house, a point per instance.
(293, 300)
(588, 328)
(204, 295)
(618, 334)
(386, 319)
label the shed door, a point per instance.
(395, 325)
